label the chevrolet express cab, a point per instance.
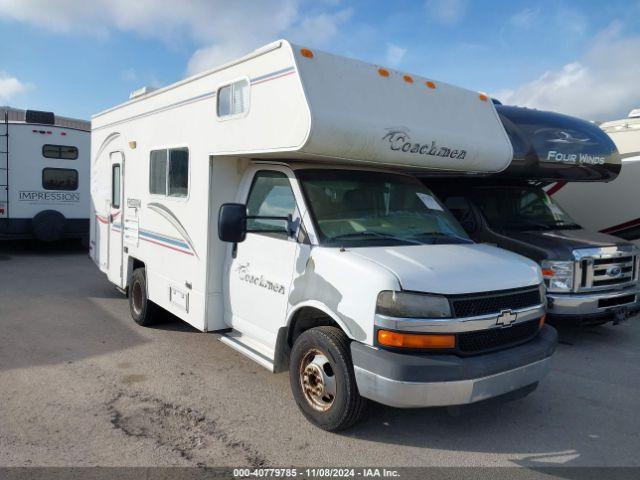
(591, 277)
(262, 200)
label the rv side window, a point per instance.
(59, 179)
(64, 152)
(169, 172)
(233, 99)
(115, 186)
(158, 172)
(270, 196)
(178, 182)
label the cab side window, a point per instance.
(270, 196)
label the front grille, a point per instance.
(495, 338)
(599, 273)
(495, 302)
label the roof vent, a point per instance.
(635, 113)
(35, 116)
(141, 92)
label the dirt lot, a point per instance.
(81, 384)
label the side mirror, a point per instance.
(232, 222)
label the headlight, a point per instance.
(412, 305)
(558, 275)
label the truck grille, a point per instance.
(495, 302)
(599, 273)
(487, 340)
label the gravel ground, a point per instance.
(82, 385)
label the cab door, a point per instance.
(259, 271)
(115, 220)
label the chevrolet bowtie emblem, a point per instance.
(506, 318)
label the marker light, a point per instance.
(483, 97)
(543, 319)
(407, 78)
(430, 84)
(414, 340)
(305, 52)
(383, 72)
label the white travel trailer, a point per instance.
(254, 199)
(616, 210)
(44, 176)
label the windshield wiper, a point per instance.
(567, 225)
(371, 233)
(443, 236)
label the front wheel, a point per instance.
(322, 379)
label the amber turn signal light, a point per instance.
(543, 319)
(413, 340)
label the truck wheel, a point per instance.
(143, 310)
(322, 379)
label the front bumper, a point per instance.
(594, 304)
(412, 380)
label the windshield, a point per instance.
(521, 208)
(359, 208)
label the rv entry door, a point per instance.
(260, 274)
(115, 221)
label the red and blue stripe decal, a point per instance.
(273, 75)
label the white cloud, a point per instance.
(11, 87)
(525, 18)
(447, 11)
(220, 29)
(395, 54)
(601, 85)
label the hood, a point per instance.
(560, 244)
(453, 269)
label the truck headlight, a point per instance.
(558, 275)
(412, 305)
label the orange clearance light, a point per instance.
(305, 52)
(407, 78)
(383, 72)
(547, 272)
(430, 84)
(543, 319)
(412, 340)
(483, 97)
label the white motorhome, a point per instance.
(44, 176)
(255, 199)
(616, 210)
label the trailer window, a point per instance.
(158, 172)
(178, 172)
(169, 172)
(115, 186)
(270, 196)
(233, 99)
(64, 152)
(59, 179)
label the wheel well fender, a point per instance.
(302, 317)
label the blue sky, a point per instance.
(79, 57)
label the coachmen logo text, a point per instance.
(245, 275)
(63, 197)
(400, 141)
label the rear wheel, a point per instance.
(143, 310)
(322, 379)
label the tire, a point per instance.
(323, 353)
(143, 310)
(48, 226)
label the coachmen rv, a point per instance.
(262, 200)
(44, 176)
(614, 207)
(591, 277)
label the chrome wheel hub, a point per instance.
(136, 293)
